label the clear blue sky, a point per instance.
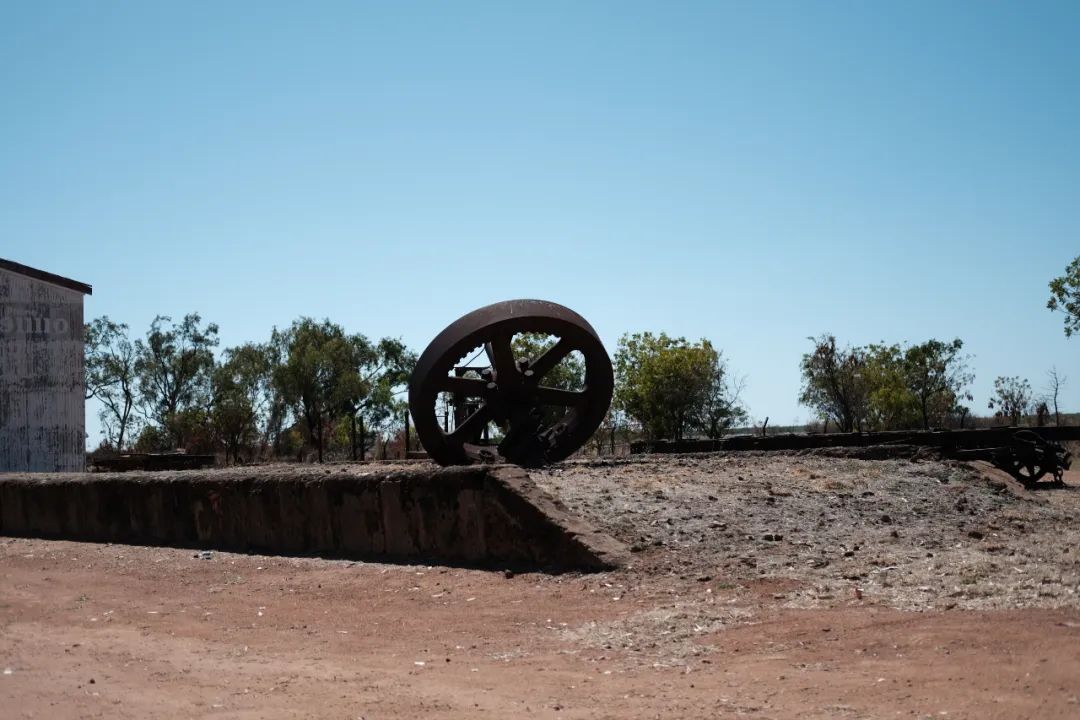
(753, 173)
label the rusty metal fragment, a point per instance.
(1028, 457)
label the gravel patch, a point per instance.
(911, 535)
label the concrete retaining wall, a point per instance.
(479, 515)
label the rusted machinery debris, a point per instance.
(1028, 454)
(946, 440)
(503, 410)
(1028, 457)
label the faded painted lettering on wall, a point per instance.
(42, 405)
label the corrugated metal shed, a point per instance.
(42, 405)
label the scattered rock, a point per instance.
(887, 525)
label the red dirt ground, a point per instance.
(119, 632)
(107, 631)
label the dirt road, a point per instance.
(691, 630)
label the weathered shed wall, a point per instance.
(42, 406)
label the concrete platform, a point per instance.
(479, 515)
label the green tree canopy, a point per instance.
(672, 387)
(1012, 397)
(835, 383)
(241, 397)
(112, 377)
(316, 361)
(326, 375)
(1065, 296)
(936, 374)
(890, 403)
(885, 387)
(367, 392)
(175, 364)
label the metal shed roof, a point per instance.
(46, 276)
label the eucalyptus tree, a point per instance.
(368, 391)
(112, 377)
(671, 387)
(937, 376)
(1065, 296)
(1012, 397)
(835, 383)
(174, 365)
(241, 397)
(317, 357)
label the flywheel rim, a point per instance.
(509, 393)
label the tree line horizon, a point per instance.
(314, 388)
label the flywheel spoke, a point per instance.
(501, 356)
(473, 425)
(554, 355)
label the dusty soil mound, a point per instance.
(912, 535)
